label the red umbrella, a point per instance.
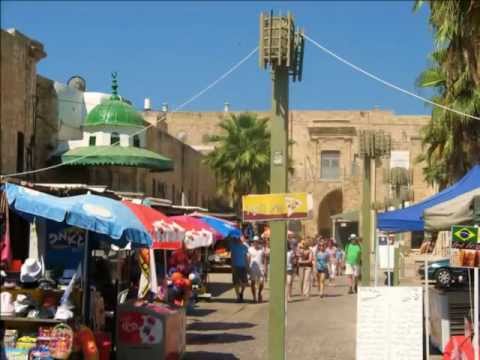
(198, 233)
(166, 233)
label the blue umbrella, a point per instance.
(97, 214)
(225, 228)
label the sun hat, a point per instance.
(6, 304)
(352, 236)
(31, 271)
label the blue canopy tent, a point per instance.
(411, 218)
(225, 228)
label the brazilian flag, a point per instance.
(465, 234)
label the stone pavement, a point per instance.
(316, 328)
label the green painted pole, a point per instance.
(366, 221)
(396, 266)
(278, 239)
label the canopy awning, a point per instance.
(347, 216)
(97, 214)
(166, 234)
(458, 211)
(117, 156)
(197, 233)
(225, 228)
(410, 218)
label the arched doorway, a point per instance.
(331, 204)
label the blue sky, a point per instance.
(168, 51)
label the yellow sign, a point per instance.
(267, 207)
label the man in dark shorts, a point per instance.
(239, 257)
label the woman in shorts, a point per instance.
(321, 265)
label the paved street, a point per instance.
(316, 328)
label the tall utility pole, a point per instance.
(373, 145)
(281, 48)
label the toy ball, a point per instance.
(177, 276)
(191, 276)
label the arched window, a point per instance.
(136, 141)
(115, 139)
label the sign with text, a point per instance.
(465, 250)
(400, 158)
(389, 323)
(268, 207)
(65, 245)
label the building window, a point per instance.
(330, 165)
(115, 139)
(136, 141)
(20, 151)
(92, 141)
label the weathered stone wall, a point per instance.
(19, 56)
(316, 131)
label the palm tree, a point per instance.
(241, 158)
(452, 141)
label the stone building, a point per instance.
(325, 155)
(18, 121)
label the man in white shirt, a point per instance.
(256, 257)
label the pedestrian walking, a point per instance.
(291, 263)
(340, 261)
(239, 258)
(321, 265)
(257, 265)
(353, 256)
(313, 249)
(305, 262)
(332, 261)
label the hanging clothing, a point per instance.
(5, 241)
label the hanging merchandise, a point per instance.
(145, 279)
(5, 245)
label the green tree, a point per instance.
(241, 158)
(452, 141)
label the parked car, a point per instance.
(444, 275)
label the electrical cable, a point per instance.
(385, 82)
(178, 108)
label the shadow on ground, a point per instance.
(206, 355)
(219, 288)
(212, 326)
(200, 312)
(218, 338)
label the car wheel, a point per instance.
(443, 278)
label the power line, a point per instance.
(178, 108)
(385, 82)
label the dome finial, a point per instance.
(114, 85)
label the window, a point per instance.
(330, 165)
(92, 141)
(136, 141)
(115, 139)
(20, 151)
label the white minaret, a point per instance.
(226, 107)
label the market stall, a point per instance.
(102, 222)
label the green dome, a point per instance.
(114, 111)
